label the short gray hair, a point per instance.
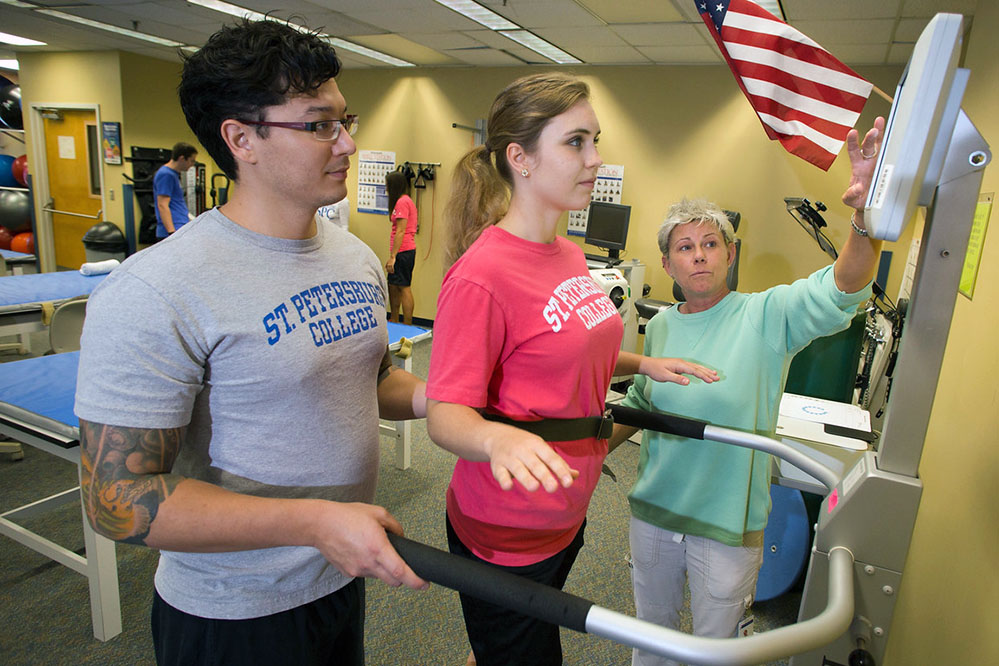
(694, 210)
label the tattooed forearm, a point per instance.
(125, 476)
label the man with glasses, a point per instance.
(232, 376)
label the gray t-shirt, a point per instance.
(269, 349)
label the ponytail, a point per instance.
(479, 199)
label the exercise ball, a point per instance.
(7, 172)
(786, 543)
(10, 107)
(20, 169)
(23, 242)
(15, 211)
(5, 238)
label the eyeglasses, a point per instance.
(323, 130)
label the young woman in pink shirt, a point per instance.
(525, 345)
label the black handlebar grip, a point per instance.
(493, 585)
(667, 423)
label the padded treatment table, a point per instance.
(36, 408)
(402, 430)
(22, 296)
(19, 263)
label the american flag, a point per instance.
(805, 98)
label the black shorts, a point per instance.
(402, 276)
(500, 636)
(327, 631)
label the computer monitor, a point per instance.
(918, 129)
(607, 227)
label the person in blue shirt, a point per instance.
(699, 508)
(171, 207)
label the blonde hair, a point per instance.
(694, 210)
(480, 189)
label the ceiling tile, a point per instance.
(658, 34)
(682, 55)
(486, 57)
(609, 55)
(909, 29)
(532, 14)
(633, 11)
(860, 54)
(796, 10)
(929, 8)
(400, 47)
(899, 54)
(566, 38)
(847, 32)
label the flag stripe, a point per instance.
(804, 70)
(834, 131)
(802, 129)
(809, 105)
(808, 151)
(770, 27)
(814, 55)
(814, 89)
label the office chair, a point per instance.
(67, 325)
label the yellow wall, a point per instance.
(72, 78)
(677, 131)
(946, 606)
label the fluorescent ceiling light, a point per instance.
(18, 3)
(232, 10)
(242, 12)
(494, 21)
(8, 64)
(365, 51)
(540, 46)
(110, 28)
(479, 14)
(6, 38)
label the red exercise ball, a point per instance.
(5, 238)
(20, 170)
(23, 243)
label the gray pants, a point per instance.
(722, 582)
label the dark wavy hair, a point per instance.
(243, 69)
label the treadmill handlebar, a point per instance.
(694, 429)
(554, 606)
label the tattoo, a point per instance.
(125, 476)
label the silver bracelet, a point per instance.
(857, 230)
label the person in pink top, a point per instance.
(402, 247)
(525, 345)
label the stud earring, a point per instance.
(524, 172)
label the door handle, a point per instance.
(48, 209)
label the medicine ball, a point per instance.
(15, 211)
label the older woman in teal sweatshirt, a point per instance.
(699, 507)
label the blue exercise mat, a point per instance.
(44, 387)
(41, 287)
(10, 254)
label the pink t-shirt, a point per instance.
(404, 209)
(522, 330)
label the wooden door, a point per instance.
(74, 183)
